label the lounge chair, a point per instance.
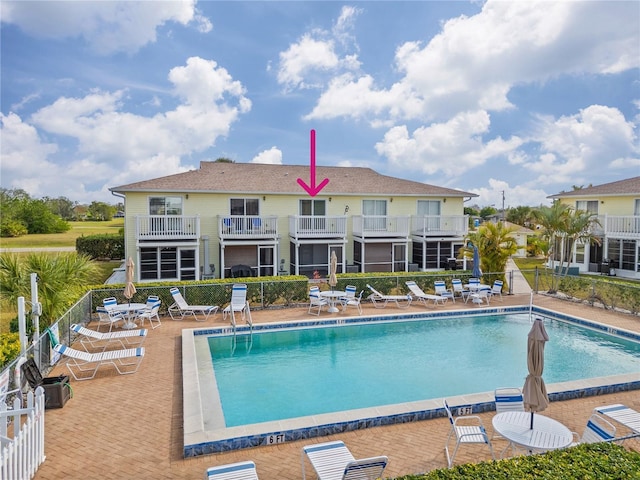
(496, 289)
(441, 289)
(334, 461)
(622, 414)
(100, 340)
(597, 430)
(380, 301)
(84, 365)
(424, 298)
(350, 299)
(238, 303)
(150, 312)
(459, 290)
(315, 300)
(232, 471)
(181, 308)
(467, 429)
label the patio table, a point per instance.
(546, 434)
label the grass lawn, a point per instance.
(66, 239)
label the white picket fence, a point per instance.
(22, 437)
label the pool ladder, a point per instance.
(247, 317)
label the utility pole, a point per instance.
(502, 206)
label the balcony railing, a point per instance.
(247, 227)
(311, 226)
(439, 225)
(167, 227)
(381, 226)
(621, 226)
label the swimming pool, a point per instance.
(208, 430)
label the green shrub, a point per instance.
(101, 246)
(9, 347)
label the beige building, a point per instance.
(242, 219)
(617, 206)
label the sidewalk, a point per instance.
(519, 283)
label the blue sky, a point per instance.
(523, 97)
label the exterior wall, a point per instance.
(607, 205)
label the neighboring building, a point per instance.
(256, 219)
(617, 205)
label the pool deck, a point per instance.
(131, 426)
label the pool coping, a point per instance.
(205, 432)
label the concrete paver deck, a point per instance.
(130, 427)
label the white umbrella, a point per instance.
(333, 268)
(535, 391)
(130, 288)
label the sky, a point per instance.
(510, 100)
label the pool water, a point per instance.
(283, 374)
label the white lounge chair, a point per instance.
(232, 471)
(315, 300)
(100, 340)
(350, 299)
(150, 312)
(467, 429)
(441, 289)
(622, 414)
(334, 461)
(84, 365)
(597, 430)
(238, 303)
(380, 301)
(424, 298)
(181, 308)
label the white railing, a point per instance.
(247, 226)
(163, 227)
(381, 225)
(438, 225)
(312, 226)
(620, 226)
(22, 437)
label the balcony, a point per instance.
(381, 226)
(619, 226)
(167, 227)
(439, 225)
(310, 226)
(247, 227)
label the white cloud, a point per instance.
(449, 147)
(475, 61)
(306, 63)
(107, 27)
(582, 143)
(514, 196)
(273, 156)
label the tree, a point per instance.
(224, 160)
(101, 211)
(60, 280)
(521, 215)
(61, 206)
(495, 245)
(486, 212)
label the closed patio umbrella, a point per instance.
(535, 391)
(333, 269)
(477, 273)
(130, 288)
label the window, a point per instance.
(244, 206)
(376, 209)
(167, 263)
(636, 209)
(590, 206)
(165, 206)
(430, 209)
(313, 207)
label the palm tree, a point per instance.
(495, 245)
(60, 279)
(579, 228)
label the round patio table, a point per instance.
(546, 434)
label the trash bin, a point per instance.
(56, 389)
(604, 267)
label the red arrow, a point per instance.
(312, 189)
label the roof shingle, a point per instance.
(629, 186)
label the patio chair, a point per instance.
(508, 399)
(107, 315)
(315, 300)
(232, 471)
(496, 289)
(181, 308)
(380, 301)
(480, 296)
(84, 365)
(422, 297)
(150, 312)
(350, 299)
(97, 340)
(238, 303)
(459, 290)
(441, 289)
(334, 461)
(467, 429)
(597, 430)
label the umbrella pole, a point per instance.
(531, 426)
